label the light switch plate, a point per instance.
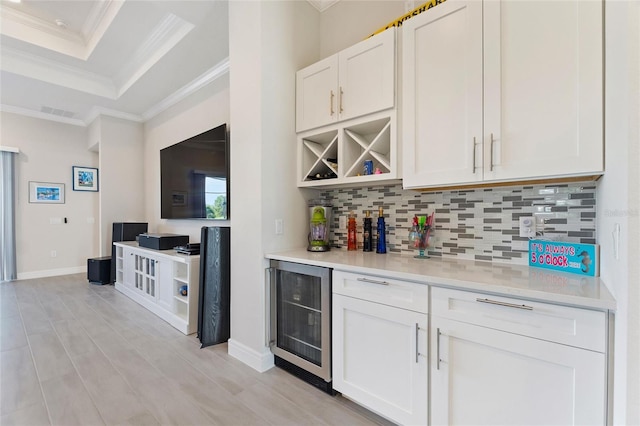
(342, 222)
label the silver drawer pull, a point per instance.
(367, 280)
(509, 305)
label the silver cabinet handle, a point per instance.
(438, 349)
(491, 156)
(417, 353)
(474, 155)
(509, 305)
(367, 280)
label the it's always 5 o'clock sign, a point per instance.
(576, 258)
(418, 10)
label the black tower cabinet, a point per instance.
(124, 231)
(214, 321)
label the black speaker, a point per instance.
(124, 231)
(127, 231)
(99, 270)
(214, 313)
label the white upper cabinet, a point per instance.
(543, 88)
(442, 95)
(316, 94)
(354, 82)
(502, 91)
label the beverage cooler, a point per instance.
(300, 324)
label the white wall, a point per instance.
(268, 42)
(618, 201)
(204, 110)
(121, 175)
(350, 21)
(48, 150)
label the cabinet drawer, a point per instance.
(562, 324)
(398, 293)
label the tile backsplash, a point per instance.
(480, 224)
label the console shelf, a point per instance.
(153, 279)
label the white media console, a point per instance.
(155, 278)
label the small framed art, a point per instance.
(85, 179)
(46, 192)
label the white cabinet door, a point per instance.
(165, 289)
(366, 76)
(442, 95)
(380, 358)
(128, 267)
(502, 90)
(482, 376)
(316, 96)
(356, 81)
(543, 88)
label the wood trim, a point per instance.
(551, 181)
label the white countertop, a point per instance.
(496, 278)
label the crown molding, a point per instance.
(98, 22)
(53, 72)
(48, 35)
(198, 83)
(41, 115)
(100, 111)
(36, 31)
(322, 5)
(9, 14)
(164, 37)
(204, 79)
(97, 14)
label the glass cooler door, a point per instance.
(299, 313)
(300, 316)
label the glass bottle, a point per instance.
(367, 244)
(381, 245)
(351, 232)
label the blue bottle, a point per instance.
(381, 246)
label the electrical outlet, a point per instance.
(54, 253)
(528, 226)
(279, 227)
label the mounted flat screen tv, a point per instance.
(194, 177)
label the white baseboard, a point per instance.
(51, 272)
(260, 361)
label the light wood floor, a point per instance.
(73, 353)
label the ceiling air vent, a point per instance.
(57, 111)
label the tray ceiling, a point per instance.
(73, 60)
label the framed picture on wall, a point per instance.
(46, 192)
(85, 179)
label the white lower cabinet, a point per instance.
(380, 350)
(483, 375)
(155, 279)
